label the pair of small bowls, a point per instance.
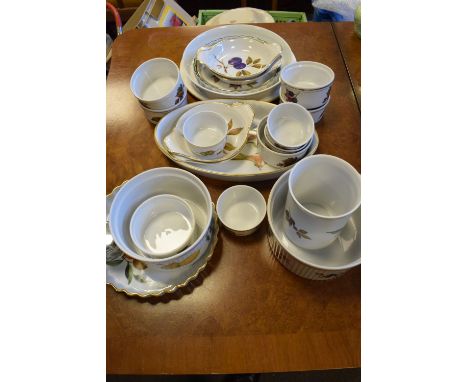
(308, 84)
(206, 133)
(285, 135)
(158, 87)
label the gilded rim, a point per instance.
(173, 288)
(225, 175)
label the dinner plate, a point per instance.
(247, 166)
(129, 277)
(238, 116)
(241, 15)
(320, 264)
(205, 38)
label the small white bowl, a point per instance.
(162, 225)
(317, 113)
(157, 84)
(241, 209)
(275, 158)
(205, 133)
(307, 83)
(290, 126)
(154, 116)
(269, 142)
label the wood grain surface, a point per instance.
(245, 313)
(350, 46)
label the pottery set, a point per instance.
(163, 223)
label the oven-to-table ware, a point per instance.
(157, 181)
(154, 116)
(238, 117)
(239, 59)
(241, 209)
(205, 38)
(130, 276)
(157, 84)
(319, 264)
(317, 113)
(247, 166)
(245, 15)
(324, 191)
(162, 225)
(307, 83)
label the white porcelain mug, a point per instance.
(323, 193)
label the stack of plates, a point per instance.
(223, 63)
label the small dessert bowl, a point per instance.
(205, 133)
(269, 142)
(272, 156)
(157, 84)
(162, 225)
(290, 126)
(241, 209)
(317, 113)
(307, 83)
(154, 116)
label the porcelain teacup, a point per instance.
(307, 83)
(162, 225)
(157, 84)
(205, 133)
(323, 193)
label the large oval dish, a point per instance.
(186, 64)
(246, 170)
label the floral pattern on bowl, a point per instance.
(237, 63)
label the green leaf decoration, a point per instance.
(256, 66)
(207, 153)
(257, 60)
(239, 73)
(139, 264)
(249, 60)
(229, 125)
(129, 272)
(235, 131)
(263, 66)
(229, 146)
(141, 278)
(246, 73)
(115, 262)
(240, 156)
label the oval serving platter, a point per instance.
(247, 166)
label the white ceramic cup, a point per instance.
(157, 84)
(241, 209)
(323, 193)
(317, 113)
(290, 126)
(205, 133)
(162, 225)
(307, 83)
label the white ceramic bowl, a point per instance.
(154, 116)
(162, 225)
(157, 181)
(290, 126)
(205, 133)
(275, 158)
(269, 142)
(157, 84)
(241, 209)
(316, 114)
(307, 83)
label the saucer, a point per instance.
(130, 278)
(321, 264)
(239, 117)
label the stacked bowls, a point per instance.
(308, 84)
(158, 87)
(285, 135)
(162, 218)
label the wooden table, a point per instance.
(350, 47)
(246, 313)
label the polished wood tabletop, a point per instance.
(350, 46)
(245, 313)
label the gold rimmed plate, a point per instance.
(127, 276)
